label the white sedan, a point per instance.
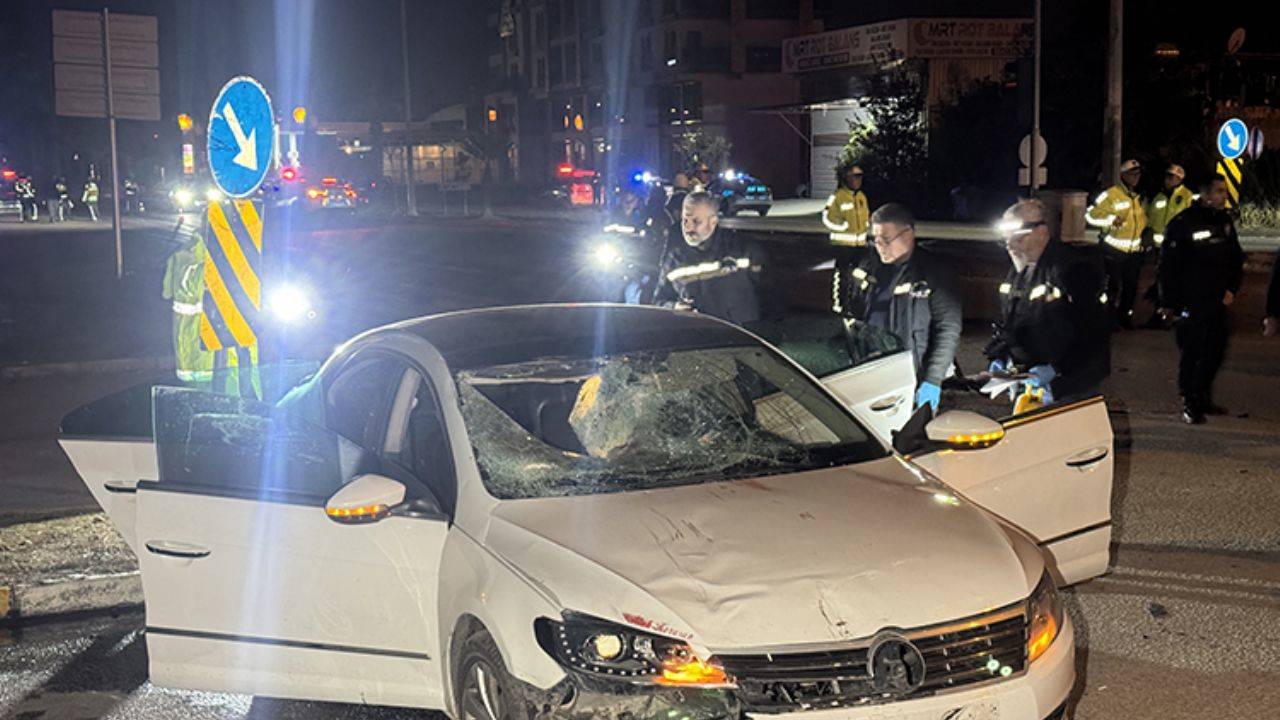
(604, 511)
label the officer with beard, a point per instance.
(710, 271)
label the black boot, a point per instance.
(1191, 412)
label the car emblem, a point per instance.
(895, 665)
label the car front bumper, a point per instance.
(1039, 694)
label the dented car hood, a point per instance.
(807, 558)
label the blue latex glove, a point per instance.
(997, 366)
(1041, 377)
(929, 393)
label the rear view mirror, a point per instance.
(964, 430)
(366, 499)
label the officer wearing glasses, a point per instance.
(909, 292)
(1053, 310)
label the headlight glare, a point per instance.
(605, 254)
(1044, 618)
(183, 197)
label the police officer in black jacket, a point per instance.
(1201, 265)
(710, 272)
(909, 292)
(1053, 310)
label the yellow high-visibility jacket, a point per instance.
(1118, 215)
(1165, 207)
(846, 217)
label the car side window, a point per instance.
(418, 441)
(357, 401)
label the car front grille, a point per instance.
(958, 654)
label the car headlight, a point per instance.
(605, 255)
(289, 303)
(183, 197)
(606, 650)
(1044, 618)
(212, 195)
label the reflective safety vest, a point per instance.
(847, 217)
(90, 193)
(1166, 207)
(1118, 215)
(184, 286)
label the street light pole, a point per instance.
(111, 122)
(411, 200)
(1034, 185)
(1112, 121)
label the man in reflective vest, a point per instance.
(847, 218)
(1118, 215)
(1165, 206)
(184, 286)
(710, 272)
(90, 198)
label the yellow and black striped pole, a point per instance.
(1232, 170)
(233, 287)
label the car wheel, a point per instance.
(483, 689)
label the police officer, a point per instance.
(26, 192)
(1053, 313)
(63, 194)
(1172, 199)
(907, 291)
(184, 287)
(90, 198)
(847, 218)
(1201, 266)
(710, 272)
(1121, 221)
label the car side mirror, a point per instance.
(368, 498)
(964, 430)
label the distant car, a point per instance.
(739, 191)
(332, 194)
(9, 203)
(577, 511)
(186, 196)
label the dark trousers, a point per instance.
(1202, 342)
(1123, 270)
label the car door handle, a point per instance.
(885, 404)
(177, 549)
(119, 486)
(1088, 457)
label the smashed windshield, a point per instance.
(645, 419)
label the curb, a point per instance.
(23, 372)
(77, 594)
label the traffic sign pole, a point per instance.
(115, 159)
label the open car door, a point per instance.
(869, 369)
(1051, 476)
(251, 587)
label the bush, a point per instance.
(1259, 215)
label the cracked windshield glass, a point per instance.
(572, 426)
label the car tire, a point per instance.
(482, 688)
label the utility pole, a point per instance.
(1111, 122)
(115, 160)
(411, 200)
(1034, 185)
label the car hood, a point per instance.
(797, 559)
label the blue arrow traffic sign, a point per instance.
(1233, 136)
(241, 137)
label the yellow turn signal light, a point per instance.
(980, 440)
(363, 513)
(1041, 641)
(692, 671)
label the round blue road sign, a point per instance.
(1233, 136)
(241, 137)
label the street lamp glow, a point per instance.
(289, 303)
(300, 114)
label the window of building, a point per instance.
(682, 102)
(539, 29)
(764, 59)
(554, 18)
(540, 75)
(571, 62)
(704, 9)
(570, 16)
(771, 10)
(556, 61)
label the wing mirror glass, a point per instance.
(964, 430)
(366, 499)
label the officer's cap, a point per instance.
(1130, 165)
(1176, 170)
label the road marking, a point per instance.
(1171, 588)
(1121, 569)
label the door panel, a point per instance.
(276, 599)
(110, 469)
(1051, 476)
(881, 393)
(251, 588)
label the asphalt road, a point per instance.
(1185, 626)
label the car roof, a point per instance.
(497, 336)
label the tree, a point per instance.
(693, 147)
(889, 140)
